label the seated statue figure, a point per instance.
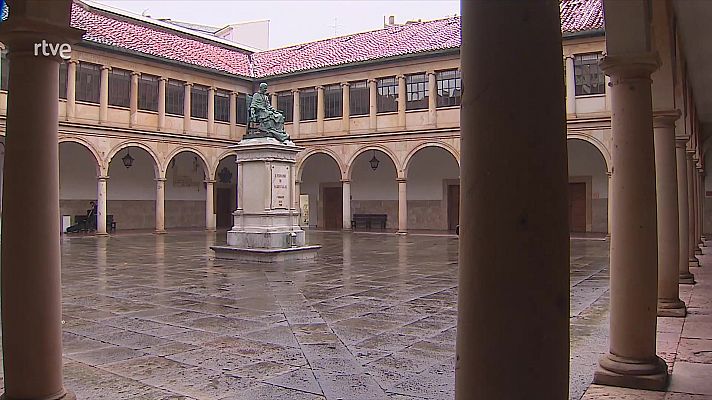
(270, 121)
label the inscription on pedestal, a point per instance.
(280, 186)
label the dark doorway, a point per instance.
(577, 207)
(333, 210)
(223, 208)
(453, 206)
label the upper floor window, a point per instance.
(175, 97)
(119, 87)
(4, 70)
(307, 104)
(387, 94)
(148, 92)
(359, 98)
(88, 82)
(416, 91)
(449, 88)
(285, 103)
(241, 109)
(588, 75)
(63, 80)
(199, 101)
(333, 97)
(222, 105)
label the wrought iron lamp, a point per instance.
(127, 159)
(374, 161)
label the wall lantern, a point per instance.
(127, 159)
(374, 161)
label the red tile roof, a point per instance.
(394, 41)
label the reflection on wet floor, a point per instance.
(154, 317)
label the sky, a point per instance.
(293, 21)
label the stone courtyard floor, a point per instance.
(154, 317)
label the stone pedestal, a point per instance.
(266, 222)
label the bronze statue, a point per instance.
(269, 120)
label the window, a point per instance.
(307, 104)
(588, 75)
(285, 103)
(333, 97)
(119, 87)
(4, 70)
(148, 92)
(199, 101)
(88, 82)
(449, 88)
(241, 109)
(63, 80)
(359, 98)
(387, 94)
(416, 91)
(222, 105)
(175, 93)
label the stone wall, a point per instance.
(388, 207)
(185, 214)
(599, 215)
(141, 214)
(427, 214)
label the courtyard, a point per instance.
(154, 317)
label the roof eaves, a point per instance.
(586, 33)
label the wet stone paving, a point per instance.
(155, 317)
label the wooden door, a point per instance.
(577, 207)
(223, 208)
(333, 211)
(453, 206)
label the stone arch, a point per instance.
(444, 146)
(588, 186)
(209, 175)
(157, 167)
(383, 149)
(329, 153)
(101, 168)
(597, 144)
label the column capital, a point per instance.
(346, 181)
(160, 179)
(433, 73)
(681, 141)
(234, 93)
(345, 84)
(621, 68)
(689, 152)
(73, 61)
(162, 78)
(295, 91)
(102, 177)
(400, 76)
(106, 67)
(569, 57)
(665, 119)
(372, 80)
(401, 180)
(188, 84)
(212, 88)
(209, 181)
(320, 87)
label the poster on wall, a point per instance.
(304, 207)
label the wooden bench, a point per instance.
(369, 221)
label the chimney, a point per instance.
(391, 21)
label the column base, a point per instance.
(159, 232)
(401, 233)
(698, 251)
(671, 308)
(66, 395)
(622, 372)
(687, 279)
(206, 230)
(693, 262)
(101, 234)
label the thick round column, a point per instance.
(104, 93)
(631, 361)
(209, 206)
(372, 104)
(133, 101)
(101, 205)
(401, 101)
(701, 197)
(31, 288)
(346, 203)
(669, 303)
(233, 115)
(71, 89)
(696, 202)
(162, 81)
(432, 99)
(320, 109)
(186, 106)
(684, 211)
(345, 106)
(211, 110)
(513, 332)
(402, 206)
(570, 86)
(690, 199)
(295, 114)
(297, 191)
(160, 205)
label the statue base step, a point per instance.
(301, 253)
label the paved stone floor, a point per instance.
(153, 317)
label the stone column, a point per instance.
(104, 93)
(631, 361)
(31, 287)
(519, 324)
(432, 99)
(71, 89)
(669, 303)
(209, 206)
(570, 86)
(702, 207)
(233, 115)
(346, 204)
(608, 203)
(295, 114)
(298, 192)
(211, 110)
(133, 101)
(186, 107)
(372, 104)
(684, 211)
(690, 199)
(700, 202)
(320, 110)
(402, 206)
(401, 101)
(101, 205)
(696, 204)
(162, 82)
(346, 105)
(160, 205)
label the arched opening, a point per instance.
(321, 195)
(185, 191)
(225, 191)
(131, 192)
(77, 187)
(433, 189)
(374, 190)
(588, 188)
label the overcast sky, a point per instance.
(294, 21)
